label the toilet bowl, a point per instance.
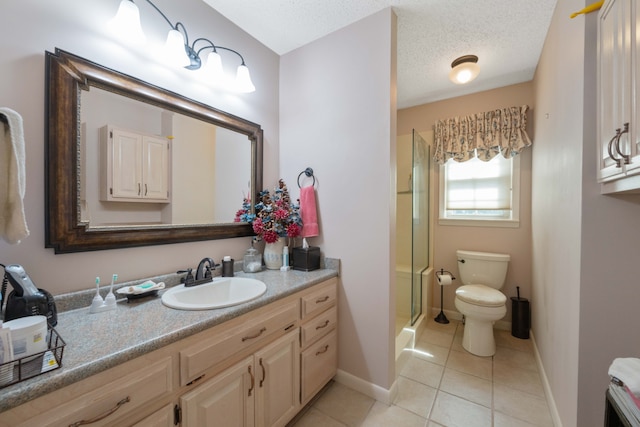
(479, 299)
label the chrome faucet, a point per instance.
(205, 269)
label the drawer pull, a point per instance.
(264, 373)
(289, 327)
(250, 337)
(324, 350)
(253, 382)
(103, 416)
(323, 299)
(324, 325)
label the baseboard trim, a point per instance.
(553, 409)
(375, 392)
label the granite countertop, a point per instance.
(97, 342)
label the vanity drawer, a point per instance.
(319, 363)
(319, 326)
(109, 402)
(320, 299)
(232, 342)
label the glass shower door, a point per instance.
(420, 220)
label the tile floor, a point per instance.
(443, 385)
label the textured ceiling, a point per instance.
(506, 35)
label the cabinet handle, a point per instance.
(324, 350)
(103, 416)
(145, 189)
(250, 337)
(323, 299)
(139, 189)
(253, 382)
(264, 373)
(626, 157)
(616, 136)
(326, 323)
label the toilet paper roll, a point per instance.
(444, 279)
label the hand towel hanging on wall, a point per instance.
(13, 224)
(308, 210)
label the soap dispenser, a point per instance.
(252, 261)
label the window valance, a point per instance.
(482, 135)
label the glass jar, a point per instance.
(252, 261)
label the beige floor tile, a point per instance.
(457, 340)
(467, 386)
(315, 418)
(382, 415)
(518, 378)
(434, 424)
(453, 411)
(504, 420)
(468, 363)
(505, 339)
(443, 339)
(516, 358)
(521, 405)
(431, 352)
(422, 371)
(449, 328)
(415, 397)
(344, 404)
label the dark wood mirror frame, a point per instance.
(66, 76)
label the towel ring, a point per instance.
(309, 173)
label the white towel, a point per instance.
(13, 224)
(627, 370)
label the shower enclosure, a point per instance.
(412, 227)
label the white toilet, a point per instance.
(479, 299)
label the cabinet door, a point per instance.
(155, 168)
(227, 399)
(126, 158)
(319, 365)
(163, 417)
(278, 381)
(634, 137)
(614, 84)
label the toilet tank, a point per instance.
(482, 268)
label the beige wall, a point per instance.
(447, 239)
(343, 126)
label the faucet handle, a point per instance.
(188, 279)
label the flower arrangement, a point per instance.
(275, 215)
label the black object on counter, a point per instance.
(520, 316)
(227, 268)
(306, 259)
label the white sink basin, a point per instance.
(221, 292)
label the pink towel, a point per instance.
(308, 212)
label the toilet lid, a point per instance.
(481, 295)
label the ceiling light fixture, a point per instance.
(178, 51)
(464, 69)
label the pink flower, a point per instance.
(293, 230)
(270, 236)
(281, 214)
(258, 227)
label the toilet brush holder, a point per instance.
(444, 278)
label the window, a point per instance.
(480, 193)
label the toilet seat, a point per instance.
(481, 295)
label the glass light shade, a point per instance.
(243, 80)
(175, 52)
(464, 72)
(126, 23)
(212, 69)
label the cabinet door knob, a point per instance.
(253, 381)
(615, 137)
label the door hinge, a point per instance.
(111, 134)
(177, 415)
(111, 190)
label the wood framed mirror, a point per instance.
(68, 225)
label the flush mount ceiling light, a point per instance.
(464, 69)
(177, 49)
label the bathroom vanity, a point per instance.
(256, 364)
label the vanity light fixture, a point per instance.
(464, 69)
(177, 49)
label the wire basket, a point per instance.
(31, 366)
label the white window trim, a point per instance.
(514, 222)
